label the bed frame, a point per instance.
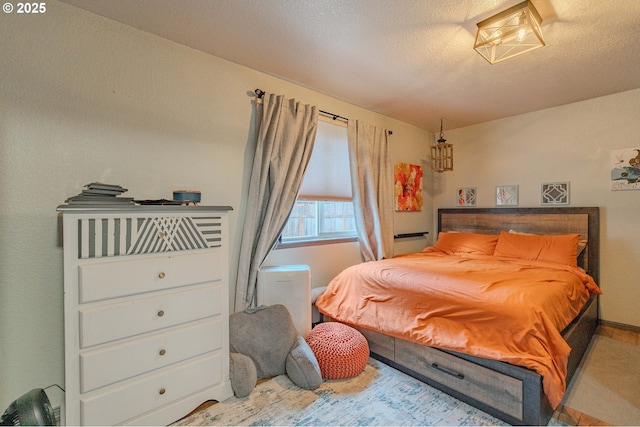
(508, 392)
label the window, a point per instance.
(319, 220)
(324, 209)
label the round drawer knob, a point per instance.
(161, 275)
(162, 391)
(160, 234)
(163, 352)
(160, 313)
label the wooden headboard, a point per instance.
(557, 220)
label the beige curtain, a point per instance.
(286, 133)
(372, 186)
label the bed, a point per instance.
(523, 379)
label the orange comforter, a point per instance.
(493, 307)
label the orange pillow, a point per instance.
(562, 248)
(467, 243)
(582, 243)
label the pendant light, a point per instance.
(441, 153)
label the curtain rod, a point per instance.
(260, 94)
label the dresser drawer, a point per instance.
(110, 322)
(149, 392)
(122, 361)
(114, 278)
(492, 388)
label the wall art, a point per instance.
(555, 193)
(466, 196)
(408, 187)
(507, 195)
(625, 169)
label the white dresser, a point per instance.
(146, 312)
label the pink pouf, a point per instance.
(342, 351)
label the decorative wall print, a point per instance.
(625, 169)
(466, 196)
(408, 187)
(555, 193)
(507, 195)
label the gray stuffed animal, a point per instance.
(265, 343)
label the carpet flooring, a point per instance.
(607, 383)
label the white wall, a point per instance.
(568, 143)
(86, 99)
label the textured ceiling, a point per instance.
(412, 60)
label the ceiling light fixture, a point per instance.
(441, 153)
(509, 33)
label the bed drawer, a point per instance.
(111, 322)
(487, 386)
(112, 279)
(380, 344)
(120, 404)
(118, 362)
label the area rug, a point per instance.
(379, 396)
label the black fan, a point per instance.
(30, 409)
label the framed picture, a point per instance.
(408, 187)
(625, 169)
(507, 195)
(466, 196)
(555, 193)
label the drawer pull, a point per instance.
(162, 391)
(161, 275)
(160, 313)
(447, 371)
(163, 352)
(160, 234)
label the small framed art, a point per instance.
(625, 169)
(507, 195)
(555, 193)
(466, 197)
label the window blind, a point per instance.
(328, 174)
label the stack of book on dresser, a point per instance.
(100, 194)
